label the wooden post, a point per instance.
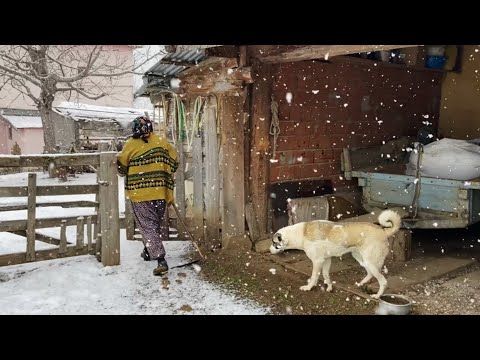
(197, 167)
(102, 147)
(129, 220)
(80, 233)
(212, 180)
(31, 211)
(98, 247)
(347, 164)
(252, 223)
(63, 237)
(233, 167)
(110, 222)
(89, 233)
(401, 245)
(260, 143)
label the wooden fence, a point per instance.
(103, 228)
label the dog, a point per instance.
(323, 239)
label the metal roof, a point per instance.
(24, 122)
(159, 75)
(123, 116)
(166, 66)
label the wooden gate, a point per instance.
(102, 228)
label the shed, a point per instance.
(278, 117)
(86, 126)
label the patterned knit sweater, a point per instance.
(148, 168)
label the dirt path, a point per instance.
(257, 277)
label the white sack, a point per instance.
(448, 159)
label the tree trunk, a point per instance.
(48, 130)
(49, 137)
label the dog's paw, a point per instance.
(375, 296)
(329, 288)
(305, 288)
(358, 284)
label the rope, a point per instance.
(174, 122)
(180, 118)
(416, 196)
(197, 120)
(275, 125)
(165, 114)
(178, 111)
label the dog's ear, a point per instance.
(277, 236)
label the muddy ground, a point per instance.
(257, 277)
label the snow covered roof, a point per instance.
(24, 122)
(124, 116)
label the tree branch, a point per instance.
(81, 92)
(27, 91)
(91, 60)
(16, 73)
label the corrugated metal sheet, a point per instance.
(159, 75)
(24, 122)
(163, 68)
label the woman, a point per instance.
(148, 161)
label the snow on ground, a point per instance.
(81, 285)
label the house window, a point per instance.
(10, 133)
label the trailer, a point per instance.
(431, 203)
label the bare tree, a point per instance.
(42, 72)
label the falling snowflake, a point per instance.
(273, 271)
(289, 97)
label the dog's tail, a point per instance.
(391, 221)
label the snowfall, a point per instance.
(82, 285)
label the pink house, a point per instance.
(23, 127)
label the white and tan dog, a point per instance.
(322, 239)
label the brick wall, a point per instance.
(345, 105)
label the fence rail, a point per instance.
(102, 228)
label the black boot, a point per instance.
(145, 255)
(162, 268)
